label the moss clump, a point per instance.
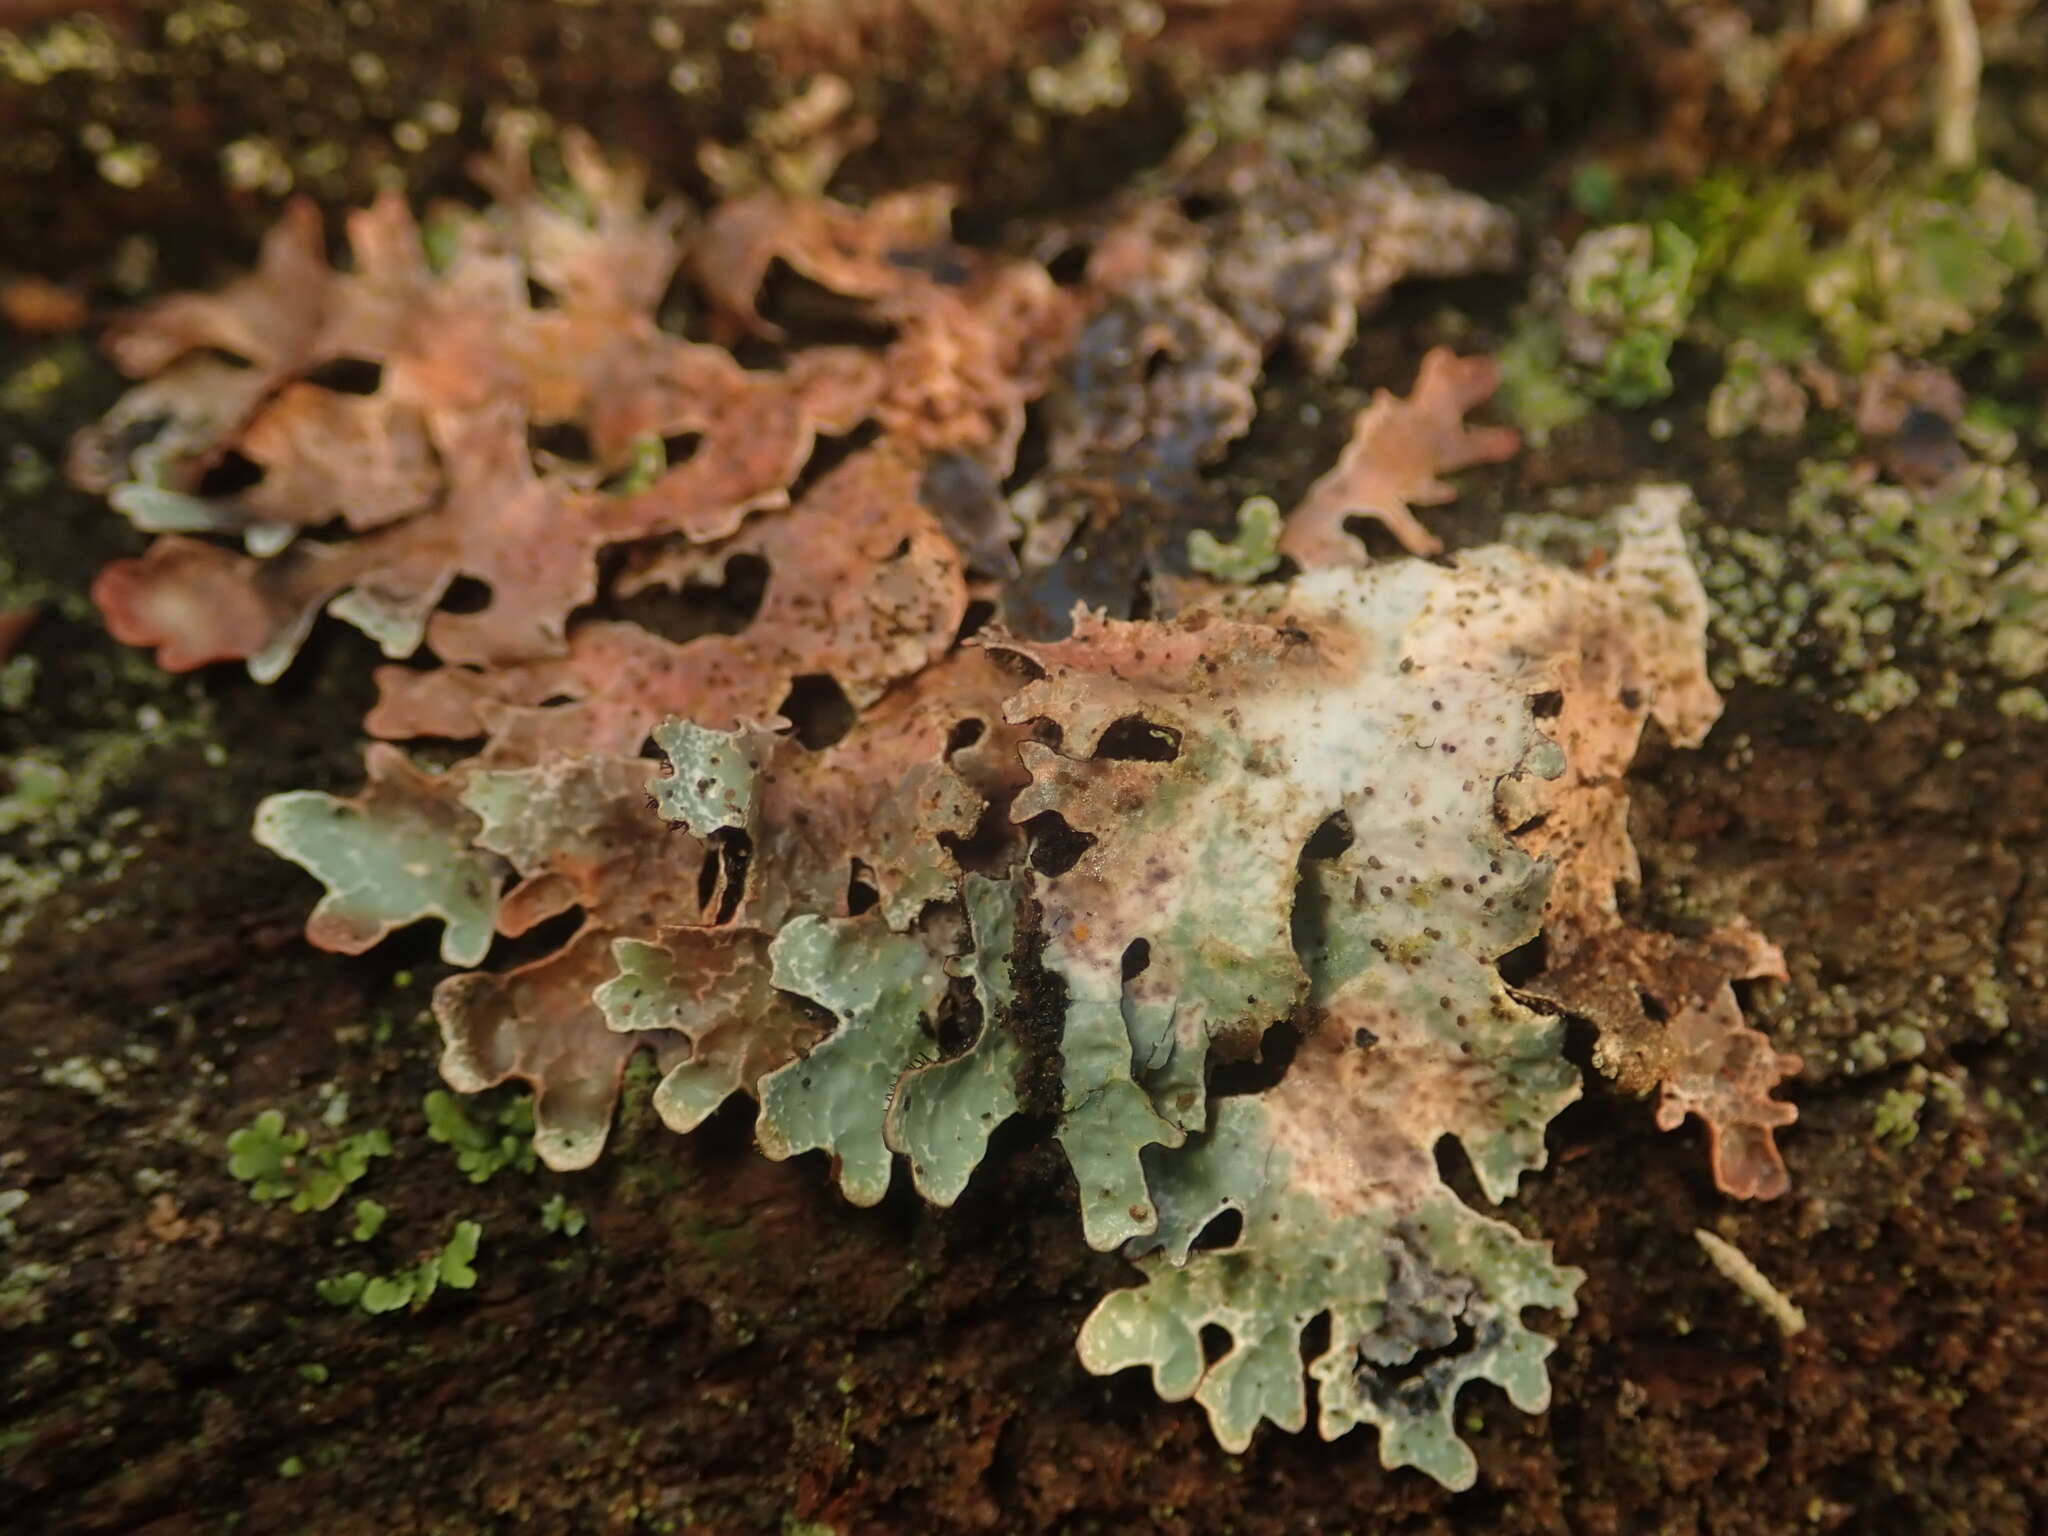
(487, 1139)
(1773, 273)
(1255, 552)
(370, 1216)
(1921, 265)
(453, 1266)
(276, 1165)
(1629, 292)
(1874, 589)
(558, 1215)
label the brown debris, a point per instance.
(35, 306)
(1665, 1007)
(1669, 1021)
(167, 1224)
(196, 603)
(1889, 390)
(1395, 459)
(861, 253)
(1729, 92)
(14, 624)
(1300, 259)
(920, 771)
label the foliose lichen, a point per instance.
(1064, 868)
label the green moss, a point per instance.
(558, 1215)
(1540, 390)
(647, 462)
(21, 1294)
(1631, 287)
(1255, 551)
(276, 1165)
(1897, 1117)
(487, 1137)
(370, 1217)
(452, 1266)
(1876, 594)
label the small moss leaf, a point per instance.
(387, 1293)
(458, 1258)
(370, 1217)
(342, 1290)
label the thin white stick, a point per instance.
(1956, 83)
(1748, 1279)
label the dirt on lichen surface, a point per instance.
(690, 1337)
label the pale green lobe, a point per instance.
(1255, 551)
(638, 997)
(568, 811)
(387, 859)
(645, 995)
(712, 778)
(1917, 266)
(712, 987)
(1422, 1296)
(881, 986)
(1103, 1132)
(396, 621)
(1632, 285)
(154, 509)
(942, 1115)
(689, 1094)
(1424, 739)
(342, 1290)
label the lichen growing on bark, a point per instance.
(815, 839)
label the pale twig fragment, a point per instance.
(1737, 1267)
(1957, 82)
